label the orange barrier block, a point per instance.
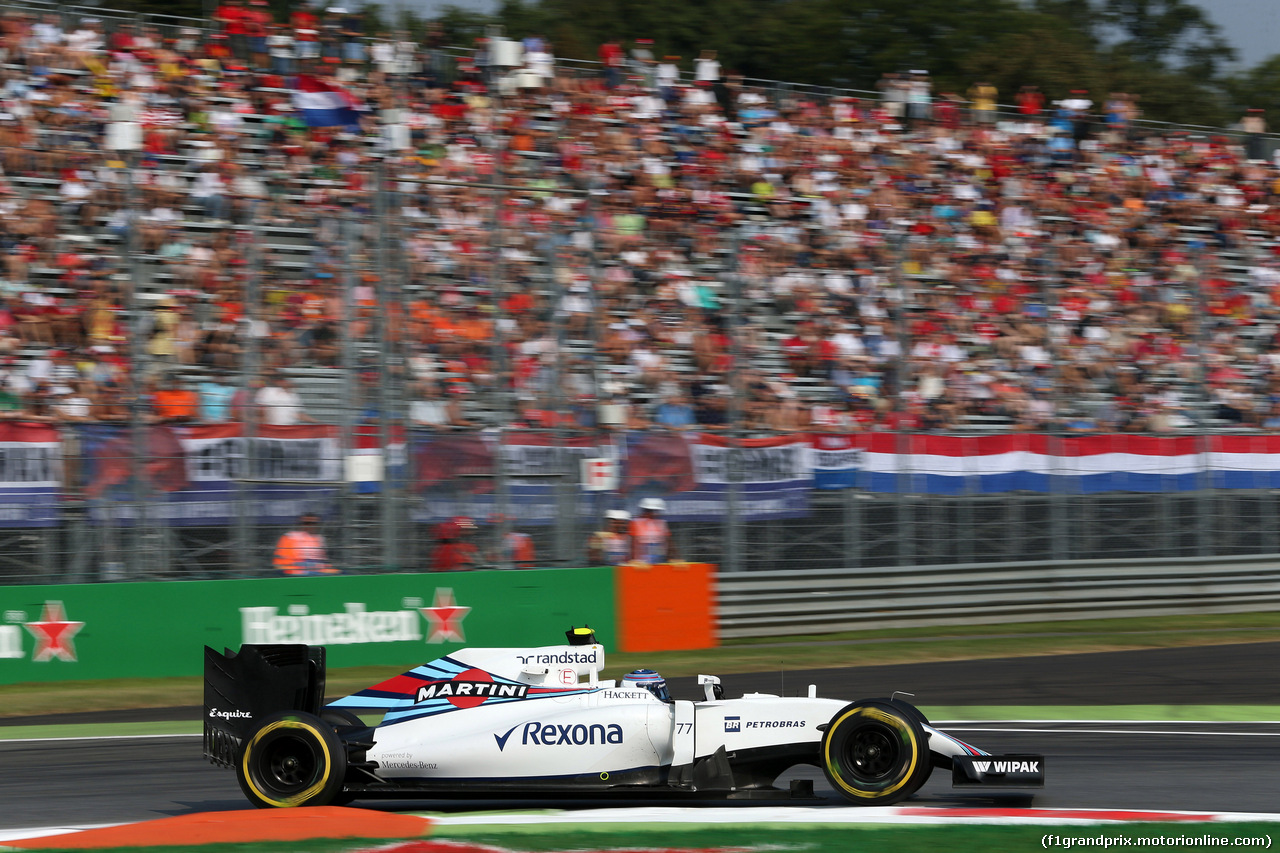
(240, 827)
(666, 607)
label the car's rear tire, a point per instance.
(875, 752)
(292, 759)
(338, 717)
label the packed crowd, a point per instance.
(684, 251)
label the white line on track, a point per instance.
(3, 741)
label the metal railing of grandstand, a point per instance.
(71, 14)
(170, 24)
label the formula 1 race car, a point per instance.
(536, 721)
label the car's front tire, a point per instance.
(292, 759)
(875, 753)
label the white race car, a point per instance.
(536, 721)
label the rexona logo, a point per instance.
(469, 689)
(1007, 766)
(230, 715)
(554, 734)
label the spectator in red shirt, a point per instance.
(455, 551)
(232, 16)
(611, 59)
(306, 31)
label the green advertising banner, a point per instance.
(145, 630)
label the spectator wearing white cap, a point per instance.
(611, 546)
(650, 535)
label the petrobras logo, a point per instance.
(230, 715)
(475, 689)
(733, 724)
(1007, 766)
(776, 724)
(563, 657)
(555, 734)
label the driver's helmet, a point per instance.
(649, 680)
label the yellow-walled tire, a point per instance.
(875, 753)
(292, 759)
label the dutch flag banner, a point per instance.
(326, 105)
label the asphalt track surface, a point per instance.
(1142, 766)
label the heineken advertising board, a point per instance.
(148, 630)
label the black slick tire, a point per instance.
(875, 752)
(292, 759)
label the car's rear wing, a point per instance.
(241, 687)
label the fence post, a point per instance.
(246, 534)
(852, 504)
(387, 379)
(138, 365)
(347, 510)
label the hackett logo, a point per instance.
(354, 626)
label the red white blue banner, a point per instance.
(30, 474)
(992, 464)
(209, 475)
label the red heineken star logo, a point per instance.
(445, 617)
(55, 636)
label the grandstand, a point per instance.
(553, 256)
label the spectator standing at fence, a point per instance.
(650, 535)
(983, 95)
(611, 546)
(675, 413)
(516, 549)
(1030, 102)
(611, 60)
(1254, 126)
(302, 551)
(667, 76)
(279, 403)
(174, 403)
(706, 68)
(306, 31)
(231, 16)
(216, 393)
(455, 550)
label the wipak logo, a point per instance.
(1007, 766)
